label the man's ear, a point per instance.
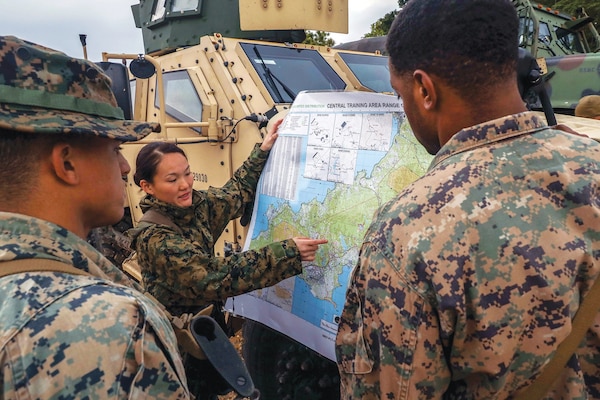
(64, 163)
(425, 89)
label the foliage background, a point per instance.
(383, 24)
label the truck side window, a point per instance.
(158, 10)
(181, 100)
(184, 5)
(372, 71)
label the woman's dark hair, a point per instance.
(471, 44)
(149, 157)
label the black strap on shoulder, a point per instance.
(154, 216)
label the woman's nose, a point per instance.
(184, 184)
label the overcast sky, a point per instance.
(109, 24)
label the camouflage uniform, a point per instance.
(62, 335)
(49, 321)
(181, 271)
(468, 281)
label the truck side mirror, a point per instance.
(141, 68)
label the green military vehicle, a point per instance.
(566, 48)
(567, 51)
(213, 74)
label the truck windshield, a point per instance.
(286, 71)
(372, 71)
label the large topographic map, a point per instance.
(338, 158)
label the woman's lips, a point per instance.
(185, 196)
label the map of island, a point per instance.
(329, 171)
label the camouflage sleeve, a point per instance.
(97, 341)
(229, 201)
(178, 271)
(385, 330)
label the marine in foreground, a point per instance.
(85, 331)
(468, 281)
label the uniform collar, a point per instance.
(181, 216)
(489, 132)
(24, 237)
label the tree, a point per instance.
(592, 7)
(319, 38)
(382, 26)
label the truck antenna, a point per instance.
(82, 38)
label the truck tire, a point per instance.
(283, 369)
